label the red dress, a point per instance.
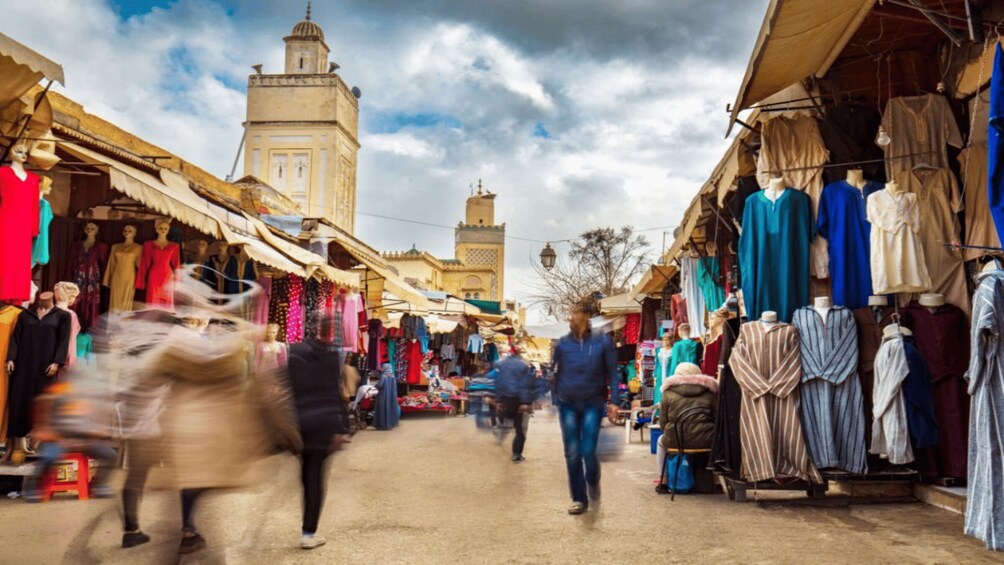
(712, 355)
(156, 273)
(413, 353)
(18, 228)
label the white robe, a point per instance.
(890, 432)
(897, 252)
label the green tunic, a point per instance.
(40, 247)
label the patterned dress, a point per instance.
(88, 266)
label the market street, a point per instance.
(438, 491)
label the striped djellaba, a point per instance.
(767, 367)
(985, 502)
(890, 430)
(833, 418)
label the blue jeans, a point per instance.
(580, 432)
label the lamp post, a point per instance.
(548, 257)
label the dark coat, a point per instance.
(315, 379)
(679, 394)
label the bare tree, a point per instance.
(603, 260)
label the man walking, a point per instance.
(514, 394)
(585, 366)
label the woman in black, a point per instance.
(322, 415)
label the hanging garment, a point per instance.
(651, 316)
(890, 432)
(897, 252)
(921, 129)
(711, 357)
(88, 265)
(942, 338)
(870, 323)
(40, 247)
(351, 303)
(239, 271)
(685, 351)
(71, 345)
(278, 312)
(475, 344)
(843, 223)
(156, 273)
(709, 279)
(663, 360)
(678, 312)
(726, 449)
(260, 303)
(774, 254)
(985, 485)
(294, 323)
(120, 276)
(833, 416)
(692, 294)
(919, 398)
(375, 333)
(8, 319)
(632, 328)
(767, 367)
(413, 353)
(312, 312)
(34, 345)
(848, 131)
(938, 202)
(793, 149)
(995, 144)
(980, 230)
(19, 217)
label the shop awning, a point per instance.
(263, 253)
(311, 262)
(391, 281)
(620, 304)
(169, 194)
(21, 68)
(798, 39)
(487, 306)
(443, 303)
(653, 281)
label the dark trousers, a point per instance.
(312, 475)
(580, 432)
(509, 410)
(141, 455)
(188, 498)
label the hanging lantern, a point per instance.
(548, 257)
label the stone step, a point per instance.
(952, 499)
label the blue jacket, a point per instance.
(584, 369)
(514, 379)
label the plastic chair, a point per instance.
(691, 413)
(82, 485)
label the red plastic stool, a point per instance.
(51, 486)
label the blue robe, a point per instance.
(386, 412)
(774, 253)
(841, 220)
(920, 417)
(995, 145)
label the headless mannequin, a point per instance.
(856, 178)
(892, 187)
(775, 188)
(823, 305)
(768, 319)
(932, 301)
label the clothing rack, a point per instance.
(964, 246)
(847, 163)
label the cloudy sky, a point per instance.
(578, 113)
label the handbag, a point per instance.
(679, 474)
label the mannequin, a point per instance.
(40, 248)
(663, 358)
(66, 294)
(38, 347)
(120, 276)
(156, 269)
(856, 178)
(932, 301)
(271, 353)
(893, 187)
(713, 350)
(88, 260)
(875, 301)
(768, 318)
(775, 189)
(214, 267)
(19, 222)
(823, 305)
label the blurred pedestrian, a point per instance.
(350, 377)
(514, 395)
(316, 378)
(387, 413)
(585, 369)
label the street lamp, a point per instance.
(548, 257)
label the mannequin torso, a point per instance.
(932, 301)
(775, 189)
(823, 305)
(769, 319)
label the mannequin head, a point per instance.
(202, 247)
(163, 227)
(684, 331)
(46, 186)
(66, 293)
(91, 230)
(667, 339)
(129, 232)
(19, 153)
(272, 333)
(716, 319)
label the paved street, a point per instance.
(437, 491)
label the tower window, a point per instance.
(301, 63)
(477, 295)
